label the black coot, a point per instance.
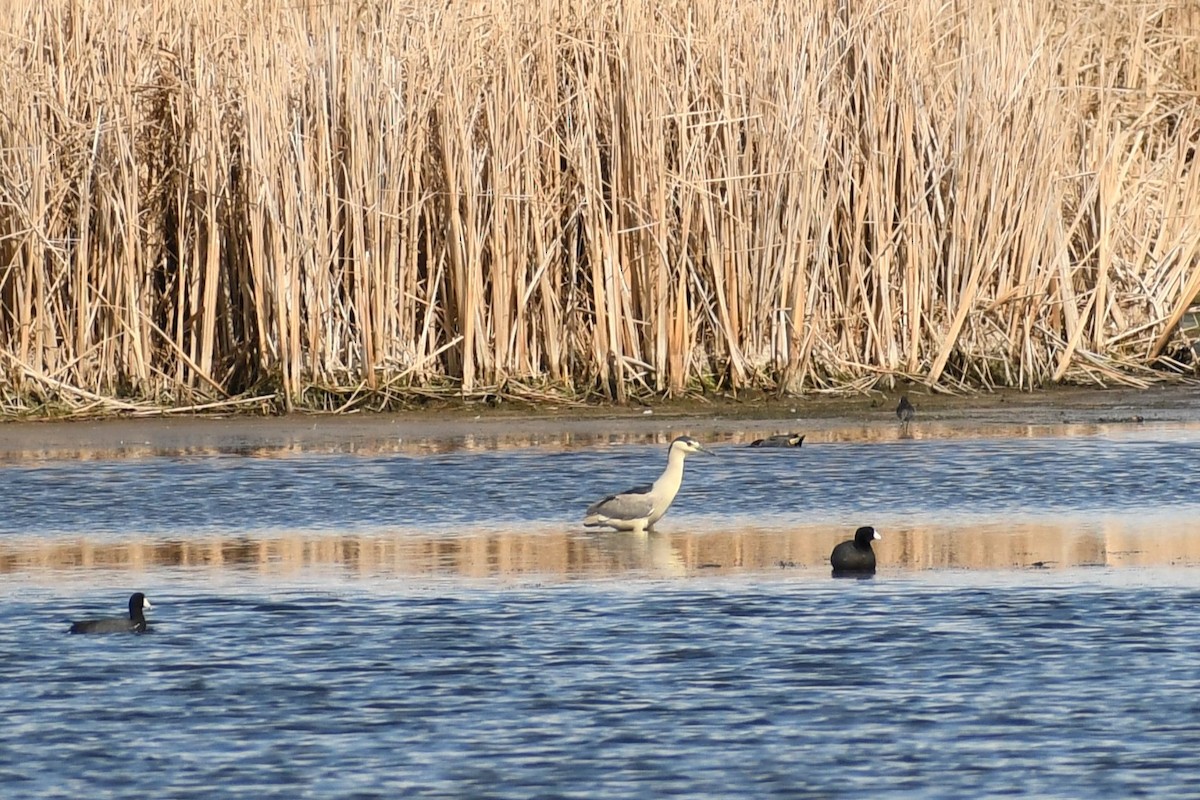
(134, 623)
(856, 557)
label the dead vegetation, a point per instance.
(342, 206)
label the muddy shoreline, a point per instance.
(830, 418)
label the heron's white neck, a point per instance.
(668, 483)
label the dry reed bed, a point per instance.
(339, 205)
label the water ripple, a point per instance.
(723, 689)
(382, 682)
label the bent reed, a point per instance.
(350, 205)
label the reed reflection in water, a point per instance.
(549, 554)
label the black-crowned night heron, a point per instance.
(855, 557)
(905, 410)
(780, 440)
(637, 509)
(134, 623)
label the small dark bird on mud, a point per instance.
(134, 623)
(779, 440)
(855, 558)
(905, 410)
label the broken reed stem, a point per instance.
(579, 198)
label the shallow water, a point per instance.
(506, 489)
(435, 622)
(1127, 497)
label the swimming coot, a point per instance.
(856, 557)
(780, 440)
(134, 623)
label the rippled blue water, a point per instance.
(1155, 469)
(1059, 686)
(1067, 683)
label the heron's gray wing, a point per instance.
(631, 504)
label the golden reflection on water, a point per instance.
(550, 554)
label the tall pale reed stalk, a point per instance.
(341, 206)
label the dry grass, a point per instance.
(345, 205)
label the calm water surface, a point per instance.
(752, 682)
